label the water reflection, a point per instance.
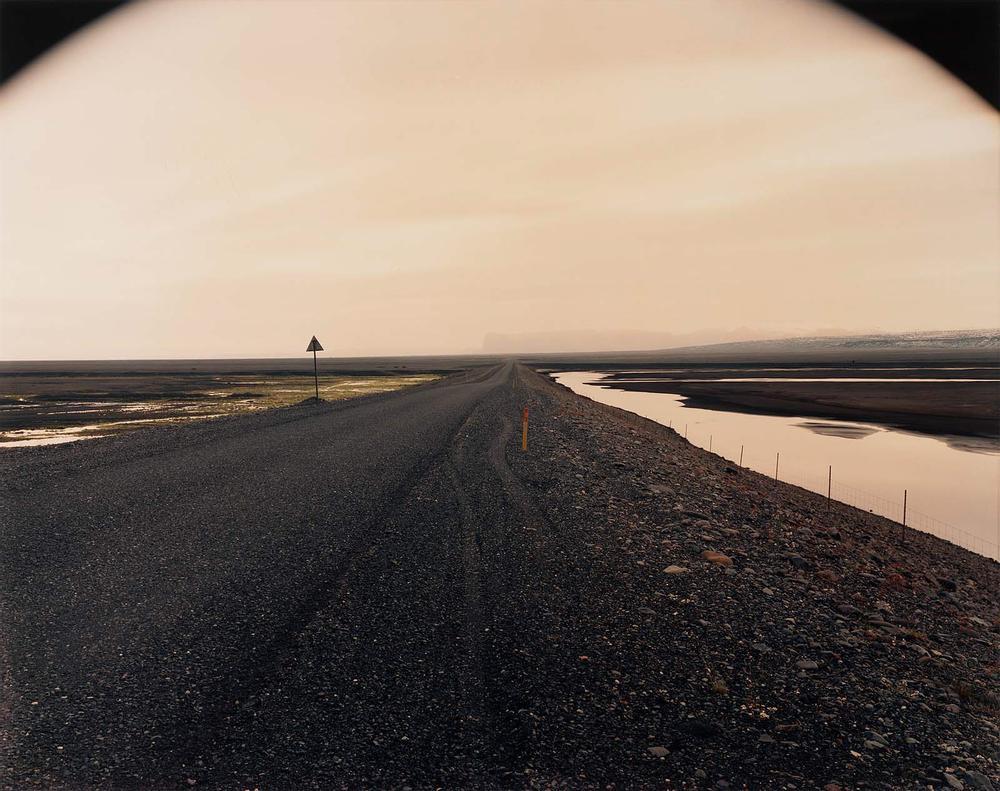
(845, 430)
(66, 408)
(951, 492)
(808, 379)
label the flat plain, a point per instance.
(387, 591)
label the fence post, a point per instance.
(829, 486)
(903, 531)
(709, 443)
(776, 457)
(741, 455)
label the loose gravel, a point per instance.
(389, 593)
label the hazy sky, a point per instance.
(226, 178)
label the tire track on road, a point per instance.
(501, 533)
(271, 661)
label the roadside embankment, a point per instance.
(763, 637)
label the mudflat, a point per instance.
(89, 400)
(961, 408)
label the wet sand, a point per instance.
(55, 401)
(48, 407)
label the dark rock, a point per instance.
(700, 728)
(978, 780)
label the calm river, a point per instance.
(951, 492)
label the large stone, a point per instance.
(799, 562)
(978, 780)
(674, 570)
(717, 558)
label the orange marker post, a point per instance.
(524, 429)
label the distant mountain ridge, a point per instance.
(934, 339)
(978, 347)
(633, 343)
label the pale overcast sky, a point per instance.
(200, 178)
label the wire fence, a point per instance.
(786, 471)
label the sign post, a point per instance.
(315, 346)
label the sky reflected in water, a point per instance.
(953, 484)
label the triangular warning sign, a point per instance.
(314, 345)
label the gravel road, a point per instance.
(388, 593)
